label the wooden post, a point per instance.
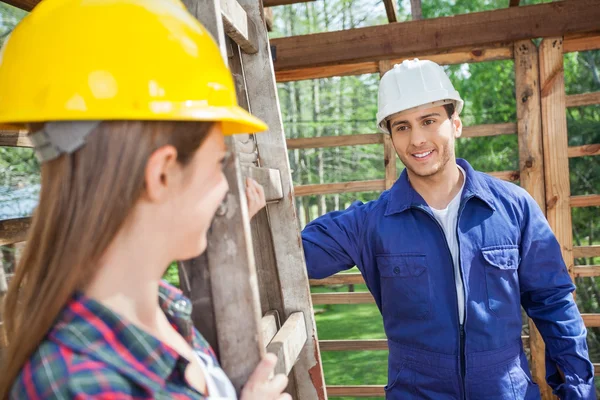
(415, 9)
(391, 9)
(389, 153)
(531, 166)
(262, 93)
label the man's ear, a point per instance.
(162, 171)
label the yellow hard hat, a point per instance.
(72, 60)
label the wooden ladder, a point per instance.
(250, 289)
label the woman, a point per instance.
(128, 102)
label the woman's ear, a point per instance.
(162, 173)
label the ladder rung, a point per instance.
(269, 178)
(269, 326)
(288, 343)
(238, 26)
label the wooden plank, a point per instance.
(597, 369)
(586, 271)
(391, 9)
(269, 326)
(591, 320)
(415, 10)
(510, 176)
(339, 279)
(342, 187)
(586, 251)
(26, 5)
(269, 18)
(583, 99)
(269, 178)
(356, 391)
(435, 36)
(389, 152)
(489, 53)
(293, 278)
(581, 42)
(531, 167)
(343, 298)
(489, 130)
(288, 343)
(514, 3)
(14, 230)
(274, 3)
(585, 150)
(590, 200)
(554, 123)
(334, 141)
(353, 345)
(237, 26)
(14, 136)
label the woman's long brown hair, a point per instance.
(85, 199)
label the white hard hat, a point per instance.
(414, 83)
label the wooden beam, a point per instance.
(274, 3)
(492, 53)
(554, 122)
(597, 369)
(343, 298)
(489, 130)
(591, 320)
(269, 178)
(514, 3)
(339, 279)
(288, 343)
(269, 326)
(26, 5)
(14, 230)
(586, 251)
(269, 18)
(353, 345)
(237, 25)
(510, 176)
(415, 10)
(334, 141)
(435, 36)
(342, 187)
(581, 42)
(587, 271)
(391, 9)
(583, 99)
(356, 391)
(531, 167)
(589, 200)
(585, 150)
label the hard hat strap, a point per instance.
(60, 137)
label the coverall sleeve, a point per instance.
(332, 241)
(546, 295)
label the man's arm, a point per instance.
(546, 296)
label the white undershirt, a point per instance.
(219, 387)
(448, 218)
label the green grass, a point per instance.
(351, 321)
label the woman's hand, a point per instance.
(260, 386)
(255, 194)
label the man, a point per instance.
(450, 255)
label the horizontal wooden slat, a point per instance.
(581, 42)
(492, 53)
(356, 391)
(585, 150)
(597, 369)
(14, 138)
(586, 251)
(334, 141)
(288, 343)
(369, 344)
(238, 26)
(510, 176)
(344, 187)
(590, 200)
(274, 3)
(269, 325)
(490, 130)
(343, 298)
(353, 345)
(591, 320)
(584, 99)
(435, 36)
(582, 271)
(14, 230)
(339, 279)
(269, 178)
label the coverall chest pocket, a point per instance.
(502, 280)
(405, 290)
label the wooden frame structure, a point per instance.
(567, 26)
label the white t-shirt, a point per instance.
(448, 219)
(217, 383)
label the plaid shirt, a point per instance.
(92, 353)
